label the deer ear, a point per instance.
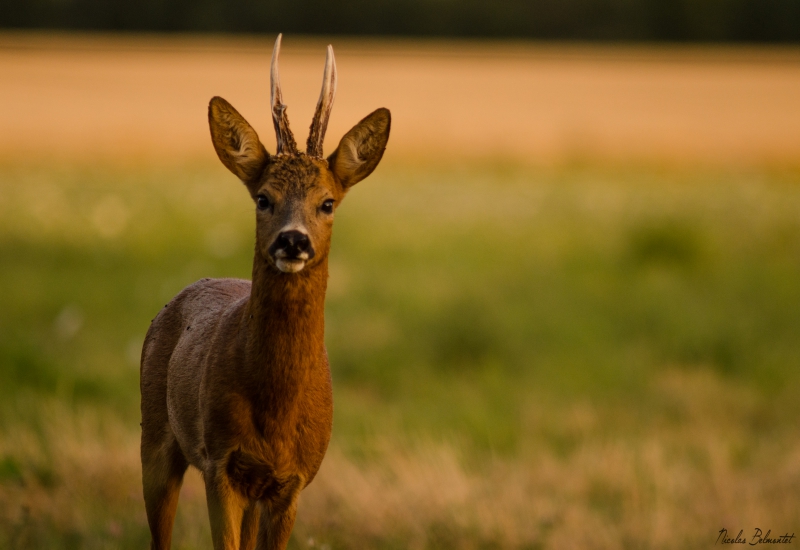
(235, 141)
(361, 148)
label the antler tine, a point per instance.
(323, 112)
(286, 142)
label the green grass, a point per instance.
(510, 314)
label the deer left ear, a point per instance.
(361, 148)
(236, 143)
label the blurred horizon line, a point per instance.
(79, 95)
(194, 41)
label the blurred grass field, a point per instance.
(568, 321)
(580, 356)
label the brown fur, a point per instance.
(234, 376)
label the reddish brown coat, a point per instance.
(234, 375)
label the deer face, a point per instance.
(296, 193)
(294, 212)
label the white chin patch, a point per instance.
(290, 266)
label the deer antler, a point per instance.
(286, 143)
(320, 122)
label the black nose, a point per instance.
(293, 243)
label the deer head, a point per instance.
(296, 193)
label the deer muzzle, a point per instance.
(291, 251)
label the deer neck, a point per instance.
(285, 333)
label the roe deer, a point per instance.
(234, 376)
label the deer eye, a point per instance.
(263, 202)
(327, 206)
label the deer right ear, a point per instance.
(236, 143)
(361, 149)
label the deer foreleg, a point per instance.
(250, 523)
(276, 528)
(226, 508)
(163, 466)
(277, 518)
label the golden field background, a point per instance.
(563, 313)
(111, 96)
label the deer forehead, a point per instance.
(298, 178)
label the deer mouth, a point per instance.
(290, 263)
(287, 265)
